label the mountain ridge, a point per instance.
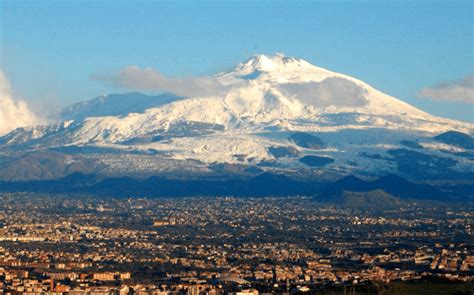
(264, 184)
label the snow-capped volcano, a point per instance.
(308, 90)
(250, 119)
(266, 91)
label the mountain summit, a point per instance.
(271, 112)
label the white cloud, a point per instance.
(13, 113)
(331, 91)
(457, 91)
(136, 78)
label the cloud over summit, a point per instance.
(332, 91)
(148, 79)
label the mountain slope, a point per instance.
(115, 105)
(277, 113)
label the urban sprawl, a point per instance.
(55, 244)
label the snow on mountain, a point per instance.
(267, 99)
(262, 91)
(115, 105)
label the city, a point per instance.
(82, 244)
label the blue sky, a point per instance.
(49, 49)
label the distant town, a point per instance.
(87, 245)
